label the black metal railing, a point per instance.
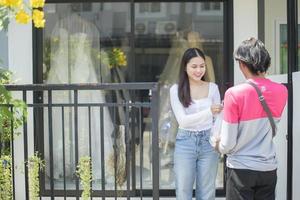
(116, 125)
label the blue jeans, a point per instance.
(195, 158)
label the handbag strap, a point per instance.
(265, 106)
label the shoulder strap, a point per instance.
(265, 106)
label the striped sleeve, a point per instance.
(229, 129)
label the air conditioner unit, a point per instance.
(141, 28)
(166, 27)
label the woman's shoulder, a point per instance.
(212, 84)
(213, 89)
(174, 88)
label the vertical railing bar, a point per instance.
(37, 148)
(51, 143)
(39, 117)
(141, 152)
(64, 155)
(115, 151)
(25, 147)
(132, 147)
(12, 153)
(155, 151)
(1, 107)
(76, 140)
(102, 152)
(90, 148)
(127, 140)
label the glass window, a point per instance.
(3, 49)
(160, 41)
(82, 43)
(208, 8)
(283, 62)
(100, 27)
(79, 39)
(153, 10)
(275, 34)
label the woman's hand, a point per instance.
(216, 108)
(214, 141)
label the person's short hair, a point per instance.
(254, 55)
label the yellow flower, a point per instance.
(38, 18)
(37, 14)
(2, 2)
(39, 23)
(22, 17)
(37, 3)
(13, 3)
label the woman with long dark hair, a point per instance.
(194, 102)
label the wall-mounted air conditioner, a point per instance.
(141, 28)
(166, 27)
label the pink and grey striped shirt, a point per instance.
(246, 134)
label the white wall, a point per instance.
(20, 63)
(296, 135)
(20, 52)
(245, 26)
(281, 142)
(281, 146)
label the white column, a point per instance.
(20, 52)
(20, 63)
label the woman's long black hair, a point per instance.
(184, 93)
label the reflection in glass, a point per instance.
(160, 44)
(162, 31)
(80, 47)
(284, 48)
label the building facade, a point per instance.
(79, 45)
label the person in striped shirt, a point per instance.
(246, 134)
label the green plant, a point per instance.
(12, 112)
(84, 172)
(5, 178)
(34, 164)
(4, 18)
(12, 115)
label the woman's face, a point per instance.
(196, 68)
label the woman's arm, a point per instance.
(216, 100)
